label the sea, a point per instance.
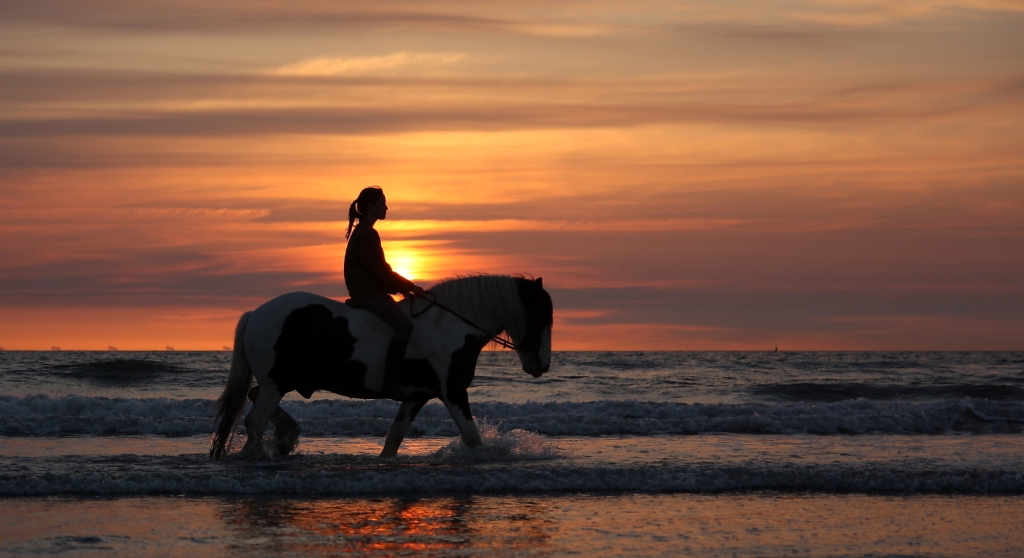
(608, 454)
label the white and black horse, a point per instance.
(305, 342)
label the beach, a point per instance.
(648, 454)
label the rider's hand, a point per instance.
(416, 290)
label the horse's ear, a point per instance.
(539, 282)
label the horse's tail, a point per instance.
(231, 403)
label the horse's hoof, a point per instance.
(286, 445)
(254, 452)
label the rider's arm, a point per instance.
(372, 258)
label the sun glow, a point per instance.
(782, 177)
(406, 265)
(415, 260)
(426, 262)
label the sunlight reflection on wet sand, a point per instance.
(737, 524)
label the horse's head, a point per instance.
(534, 348)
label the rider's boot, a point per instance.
(393, 363)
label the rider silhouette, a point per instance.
(371, 281)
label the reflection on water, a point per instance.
(388, 526)
(759, 524)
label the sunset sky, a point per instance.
(683, 175)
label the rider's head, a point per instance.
(370, 195)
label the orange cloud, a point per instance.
(694, 176)
(350, 65)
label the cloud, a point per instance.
(499, 116)
(280, 16)
(559, 225)
(861, 13)
(357, 66)
(568, 29)
(403, 92)
(745, 168)
(532, 18)
(238, 15)
(682, 284)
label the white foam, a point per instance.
(514, 445)
(43, 415)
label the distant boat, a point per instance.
(54, 348)
(225, 348)
(776, 348)
(170, 348)
(111, 348)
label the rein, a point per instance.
(432, 300)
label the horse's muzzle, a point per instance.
(537, 371)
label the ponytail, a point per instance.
(353, 213)
(370, 194)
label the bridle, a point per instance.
(431, 298)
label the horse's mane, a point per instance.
(491, 300)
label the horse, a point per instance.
(305, 343)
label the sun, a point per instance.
(413, 259)
(406, 264)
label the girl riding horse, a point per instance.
(371, 281)
(303, 342)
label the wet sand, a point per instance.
(639, 525)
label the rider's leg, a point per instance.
(389, 311)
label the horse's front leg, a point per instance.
(406, 413)
(457, 403)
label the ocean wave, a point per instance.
(352, 475)
(841, 391)
(44, 415)
(119, 372)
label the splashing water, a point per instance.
(514, 445)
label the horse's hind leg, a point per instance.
(406, 413)
(286, 429)
(263, 406)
